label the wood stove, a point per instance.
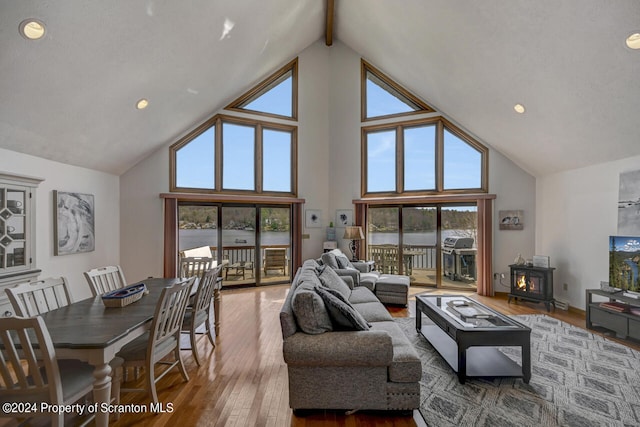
(532, 284)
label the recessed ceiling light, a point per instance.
(32, 29)
(142, 104)
(633, 41)
(519, 108)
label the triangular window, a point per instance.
(382, 97)
(275, 96)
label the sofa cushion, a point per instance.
(341, 312)
(406, 366)
(373, 311)
(309, 309)
(360, 294)
(329, 259)
(330, 279)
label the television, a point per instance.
(624, 259)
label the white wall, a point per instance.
(577, 211)
(58, 176)
(328, 170)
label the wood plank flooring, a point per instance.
(243, 382)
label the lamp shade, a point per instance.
(353, 233)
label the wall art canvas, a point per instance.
(629, 204)
(511, 220)
(74, 219)
(344, 217)
(313, 218)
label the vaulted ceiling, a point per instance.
(71, 96)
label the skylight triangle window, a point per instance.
(382, 97)
(276, 96)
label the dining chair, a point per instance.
(194, 266)
(32, 298)
(105, 279)
(31, 373)
(199, 312)
(162, 339)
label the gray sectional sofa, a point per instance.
(334, 360)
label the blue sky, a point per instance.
(196, 160)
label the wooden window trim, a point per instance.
(266, 85)
(441, 124)
(366, 67)
(258, 125)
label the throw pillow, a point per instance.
(343, 262)
(329, 259)
(341, 312)
(330, 279)
(310, 311)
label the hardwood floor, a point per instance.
(243, 382)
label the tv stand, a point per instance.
(625, 325)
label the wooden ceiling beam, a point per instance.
(329, 22)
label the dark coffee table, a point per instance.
(466, 334)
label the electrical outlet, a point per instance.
(565, 287)
(496, 276)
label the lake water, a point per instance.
(195, 238)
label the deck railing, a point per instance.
(413, 257)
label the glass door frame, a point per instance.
(171, 201)
(484, 203)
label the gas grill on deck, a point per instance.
(459, 258)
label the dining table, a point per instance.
(90, 331)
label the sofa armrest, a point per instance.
(353, 274)
(362, 266)
(343, 348)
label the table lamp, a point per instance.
(353, 233)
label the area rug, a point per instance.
(578, 379)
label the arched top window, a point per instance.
(422, 156)
(384, 98)
(276, 96)
(244, 155)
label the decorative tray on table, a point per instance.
(124, 296)
(469, 310)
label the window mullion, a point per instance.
(399, 160)
(439, 157)
(218, 155)
(259, 159)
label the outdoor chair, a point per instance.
(275, 259)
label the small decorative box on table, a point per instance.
(125, 296)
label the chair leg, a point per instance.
(151, 384)
(194, 344)
(210, 332)
(216, 311)
(183, 371)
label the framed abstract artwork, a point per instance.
(74, 223)
(313, 218)
(511, 220)
(344, 217)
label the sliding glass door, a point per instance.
(433, 244)
(250, 254)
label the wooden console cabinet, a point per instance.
(625, 325)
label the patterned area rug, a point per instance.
(578, 379)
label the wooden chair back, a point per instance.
(105, 279)
(25, 346)
(33, 298)
(194, 266)
(168, 318)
